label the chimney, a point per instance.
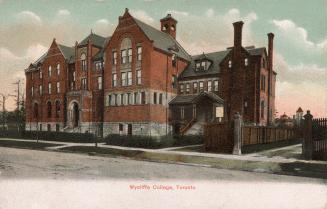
(168, 25)
(270, 50)
(238, 34)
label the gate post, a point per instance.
(307, 146)
(237, 134)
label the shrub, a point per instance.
(151, 142)
(60, 136)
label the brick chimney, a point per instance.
(270, 50)
(238, 34)
(168, 25)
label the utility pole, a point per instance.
(17, 102)
(3, 111)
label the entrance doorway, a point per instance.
(75, 115)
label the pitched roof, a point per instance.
(100, 54)
(191, 99)
(68, 52)
(96, 40)
(214, 68)
(162, 40)
(299, 110)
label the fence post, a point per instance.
(237, 134)
(307, 146)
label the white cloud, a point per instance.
(103, 27)
(142, 15)
(29, 17)
(63, 12)
(177, 13)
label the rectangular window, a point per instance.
(83, 84)
(98, 66)
(136, 98)
(114, 58)
(123, 79)
(139, 53)
(201, 88)
(219, 112)
(143, 99)
(197, 66)
(129, 78)
(32, 91)
(58, 87)
(129, 129)
(49, 88)
(122, 100)
(138, 77)
(40, 90)
(263, 83)
(187, 89)
(130, 55)
(209, 86)
(114, 99)
(114, 80)
(160, 98)
(84, 65)
(195, 87)
(100, 82)
(121, 128)
(203, 65)
(215, 83)
(58, 69)
(181, 88)
(154, 97)
(130, 98)
(174, 81)
(40, 74)
(123, 56)
(109, 101)
(49, 71)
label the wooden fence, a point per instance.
(218, 137)
(319, 138)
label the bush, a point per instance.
(152, 142)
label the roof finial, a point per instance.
(126, 9)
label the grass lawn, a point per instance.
(25, 144)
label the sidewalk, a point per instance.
(256, 162)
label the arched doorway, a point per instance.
(75, 116)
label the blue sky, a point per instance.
(27, 28)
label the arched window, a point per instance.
(126, 51)
(58, 69)
(36, 110)
(49, 109)
(49, 71)
(57, 109)
(83, 61)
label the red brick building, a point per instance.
(140, 81)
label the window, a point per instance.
(123, 56)
(215, 84)
(109, 102)
(129, 129)
(181, 88)
(122, 99)
(113, 100)
(263, 83)
(130, 55)
(136, 98)
(58, 69)
(197, 66)
(98, 66)
(74, 76)
(57, 109)
(174, 81)
(49, 107)
(138, 77)
(154, 97)
(32, 76)
(40, 90)
(219, 112)
(143, 99)
(99, 82)
(83, 60)
(209, 86)
(160, 98)
(58, 87)
(203, 65)
(49, 71)
(187, 89)
(121, 128)
(83, 83)
(130, 98)
(49, 88)
(195, 87)
(230, 64)
(182, 113)
(139, 53)
(246, 61)
(129, 78)
(262, 109)
(123, 79)
(201, 88)
(32, 91)
(40, 74)
(114, 80)
(173, 60)
(114, 58)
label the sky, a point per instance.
(27, 28)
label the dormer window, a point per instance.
(230, 64)
(198, 66)
(246, 61)
(202, 65)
